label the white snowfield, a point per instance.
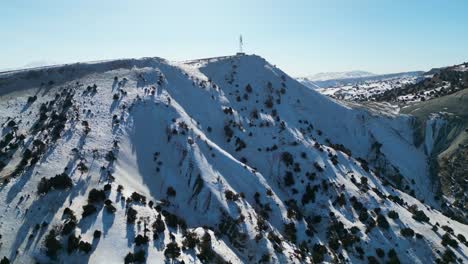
(242, 147)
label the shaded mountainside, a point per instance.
(444, 122)
(208, 161)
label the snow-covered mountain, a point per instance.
(330, 79)
(325, 76)
(363, 88)
(217, 160)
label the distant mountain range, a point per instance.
(338, 79)
(324, 76)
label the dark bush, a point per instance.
(393, 257)
(72, 244)
(230, 195)
(287, 158)
(318, 167)
(131, 215)
(172, 250)
(461, 238)
(206, 252)
(171, 192)
(288, 179)
(228, 132)
(420, 216)
(341, 200)
(69, 226)
(137, 257)
(382, 222)
(158, 225)
(248, 88)
(58, 182)
(290, 232)
(171, 219)
(110, 208)
(97, 234)
(393, 215)
(85, 247)
(96, 196)
(140, 240)
(309, 195)
(88, 210)
(448, 240)
(449, 257)
(372, 260)
(269, 102)
(407, 232)
(191, 240)
(52, 244)
(380, 252)
(136, 197)
(107, 187)
(318, 252)
(129, 258)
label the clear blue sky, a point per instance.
(301, 37)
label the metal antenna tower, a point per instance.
(240, 44)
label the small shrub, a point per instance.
(136, 197)
(88, 210)
(287, 158)
(191, 240)
(288, 179)
(420, 216)
(96, 196)
(131, 215)
(172, 250)
(52, 244)
(248, 88)
(407, 232)
(290, 232)
(109, 207)
(318, 252)
(171, 192)
(448, 240)
(230, 195)
(380, 252)
(158, 225)
(140, 240)
(393, 257)
(85, 247)
(393, 215)
(72, 244)
(382, 222)
(97, 234)
(58, 182)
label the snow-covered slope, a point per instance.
(217, 160)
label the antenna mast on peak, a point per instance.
(241, 44)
